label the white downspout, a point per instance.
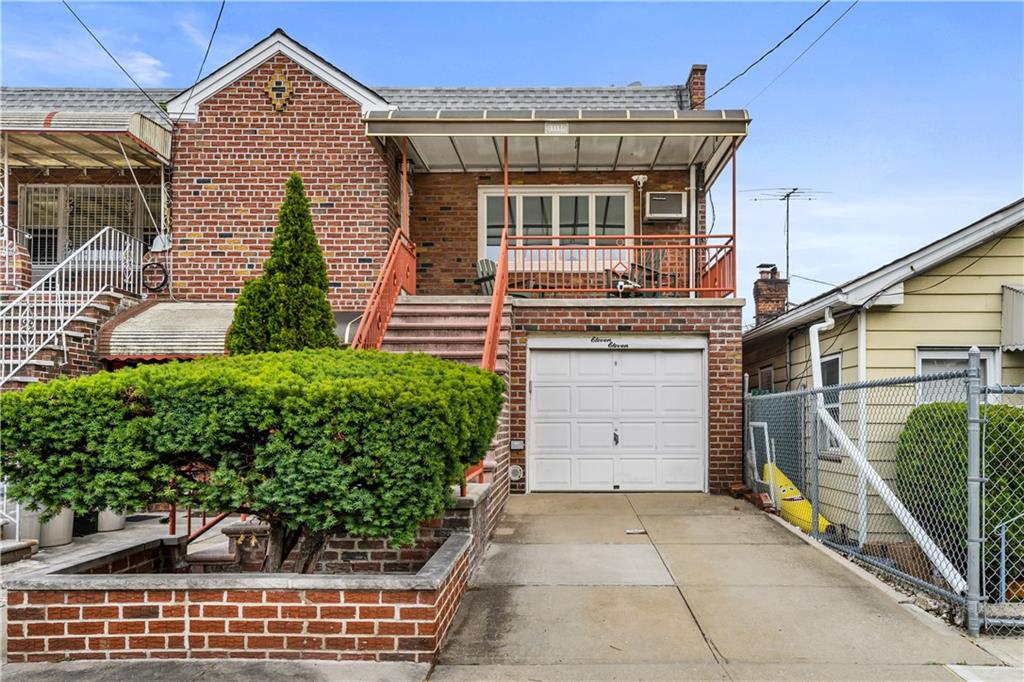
(862, 424)
(864, 468)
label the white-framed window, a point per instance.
(934, 360)
(766, 378)
(570, 215)
(831, 375)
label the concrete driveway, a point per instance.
(714, 590)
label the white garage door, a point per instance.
(617, 420)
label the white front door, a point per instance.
(617, 420)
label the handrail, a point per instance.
(490, 356)
(675, 264)
(397, 275)
(110, 260)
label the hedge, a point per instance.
(931, 474)
(315, 440)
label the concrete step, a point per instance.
(433, 345)
(16, 550)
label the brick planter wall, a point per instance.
(719, 321)
(280, 616)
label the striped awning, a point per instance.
(1013, 317)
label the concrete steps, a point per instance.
(453, 328)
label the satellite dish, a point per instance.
(161, 242)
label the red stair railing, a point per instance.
(397, 275)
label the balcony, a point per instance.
(684, 266)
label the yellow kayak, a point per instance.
(794, 508)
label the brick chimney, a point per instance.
(695, 86)
(770, 293)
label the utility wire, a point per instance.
(806, 50)
(202, 65)
(123, 70)
(811, 279)
(775, 47)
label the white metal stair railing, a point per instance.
(110, 261)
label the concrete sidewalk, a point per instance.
(714, 590)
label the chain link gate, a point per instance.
(891, 471)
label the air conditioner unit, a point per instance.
(665, 206)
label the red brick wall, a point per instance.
(330, 624)
(721, 325)
(444, 219)
(230, 168)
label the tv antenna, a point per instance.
(786, 194)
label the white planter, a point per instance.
(29, 524)
(58, 530)
(110, 520)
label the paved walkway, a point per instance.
(714, 590)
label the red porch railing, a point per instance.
(397, 275)
(635, 265)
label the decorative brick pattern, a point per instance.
(336, 625)
(230, 169)
(721, 325)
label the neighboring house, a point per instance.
(918, 314)
(620, 337)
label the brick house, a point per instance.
(556, 235)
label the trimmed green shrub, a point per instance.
(931, 475)
(309, 441)
(286, 308)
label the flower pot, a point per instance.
(28, 524)
(58, 530)
(110, 520)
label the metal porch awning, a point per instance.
(76, 139)
(565, 140)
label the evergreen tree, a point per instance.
(286, 307)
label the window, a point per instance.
(61, 218)
(831, 372)
(570, 215)
(938, 360)
(766, 378)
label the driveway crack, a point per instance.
(712, 647)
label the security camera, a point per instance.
(640, 180)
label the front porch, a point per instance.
(69, 175)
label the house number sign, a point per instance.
(607, 342)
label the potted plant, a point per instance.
(58, 530)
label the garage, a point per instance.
(617, 414)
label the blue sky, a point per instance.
(910, 114)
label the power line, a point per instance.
(775, 47)
(202, 65)
(816, 281)
(123, 70)
(806, 50)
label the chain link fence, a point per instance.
(885, 469)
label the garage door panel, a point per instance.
(638, 435)
(544, 365)
(638, 399)
(682, 474)
(680, 365)
(550, 436)
(595, 473)
(637, 473)
(551, 473)
(682, 436)
(553, 399)
(655, 401)
(593, 364)
(637, 364)
(593, 435)
(678, 400)
(595, 399)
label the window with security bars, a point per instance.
(60, 218)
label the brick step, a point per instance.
(434, 345)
